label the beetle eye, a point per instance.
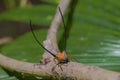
(66, 60)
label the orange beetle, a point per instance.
(61, 57)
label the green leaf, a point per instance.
(25, 48)
(38, 14)
(95, 34)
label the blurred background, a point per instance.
(93, 31)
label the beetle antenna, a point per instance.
(64, 28)
(38, 40)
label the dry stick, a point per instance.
(51, 42)
(22, 67)
(72, 70)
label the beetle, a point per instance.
(61, 57)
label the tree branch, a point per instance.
(51, 42)
(71, 70)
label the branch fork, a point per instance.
(71, 70)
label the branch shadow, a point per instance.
(68, 26)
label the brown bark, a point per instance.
(71, 70)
